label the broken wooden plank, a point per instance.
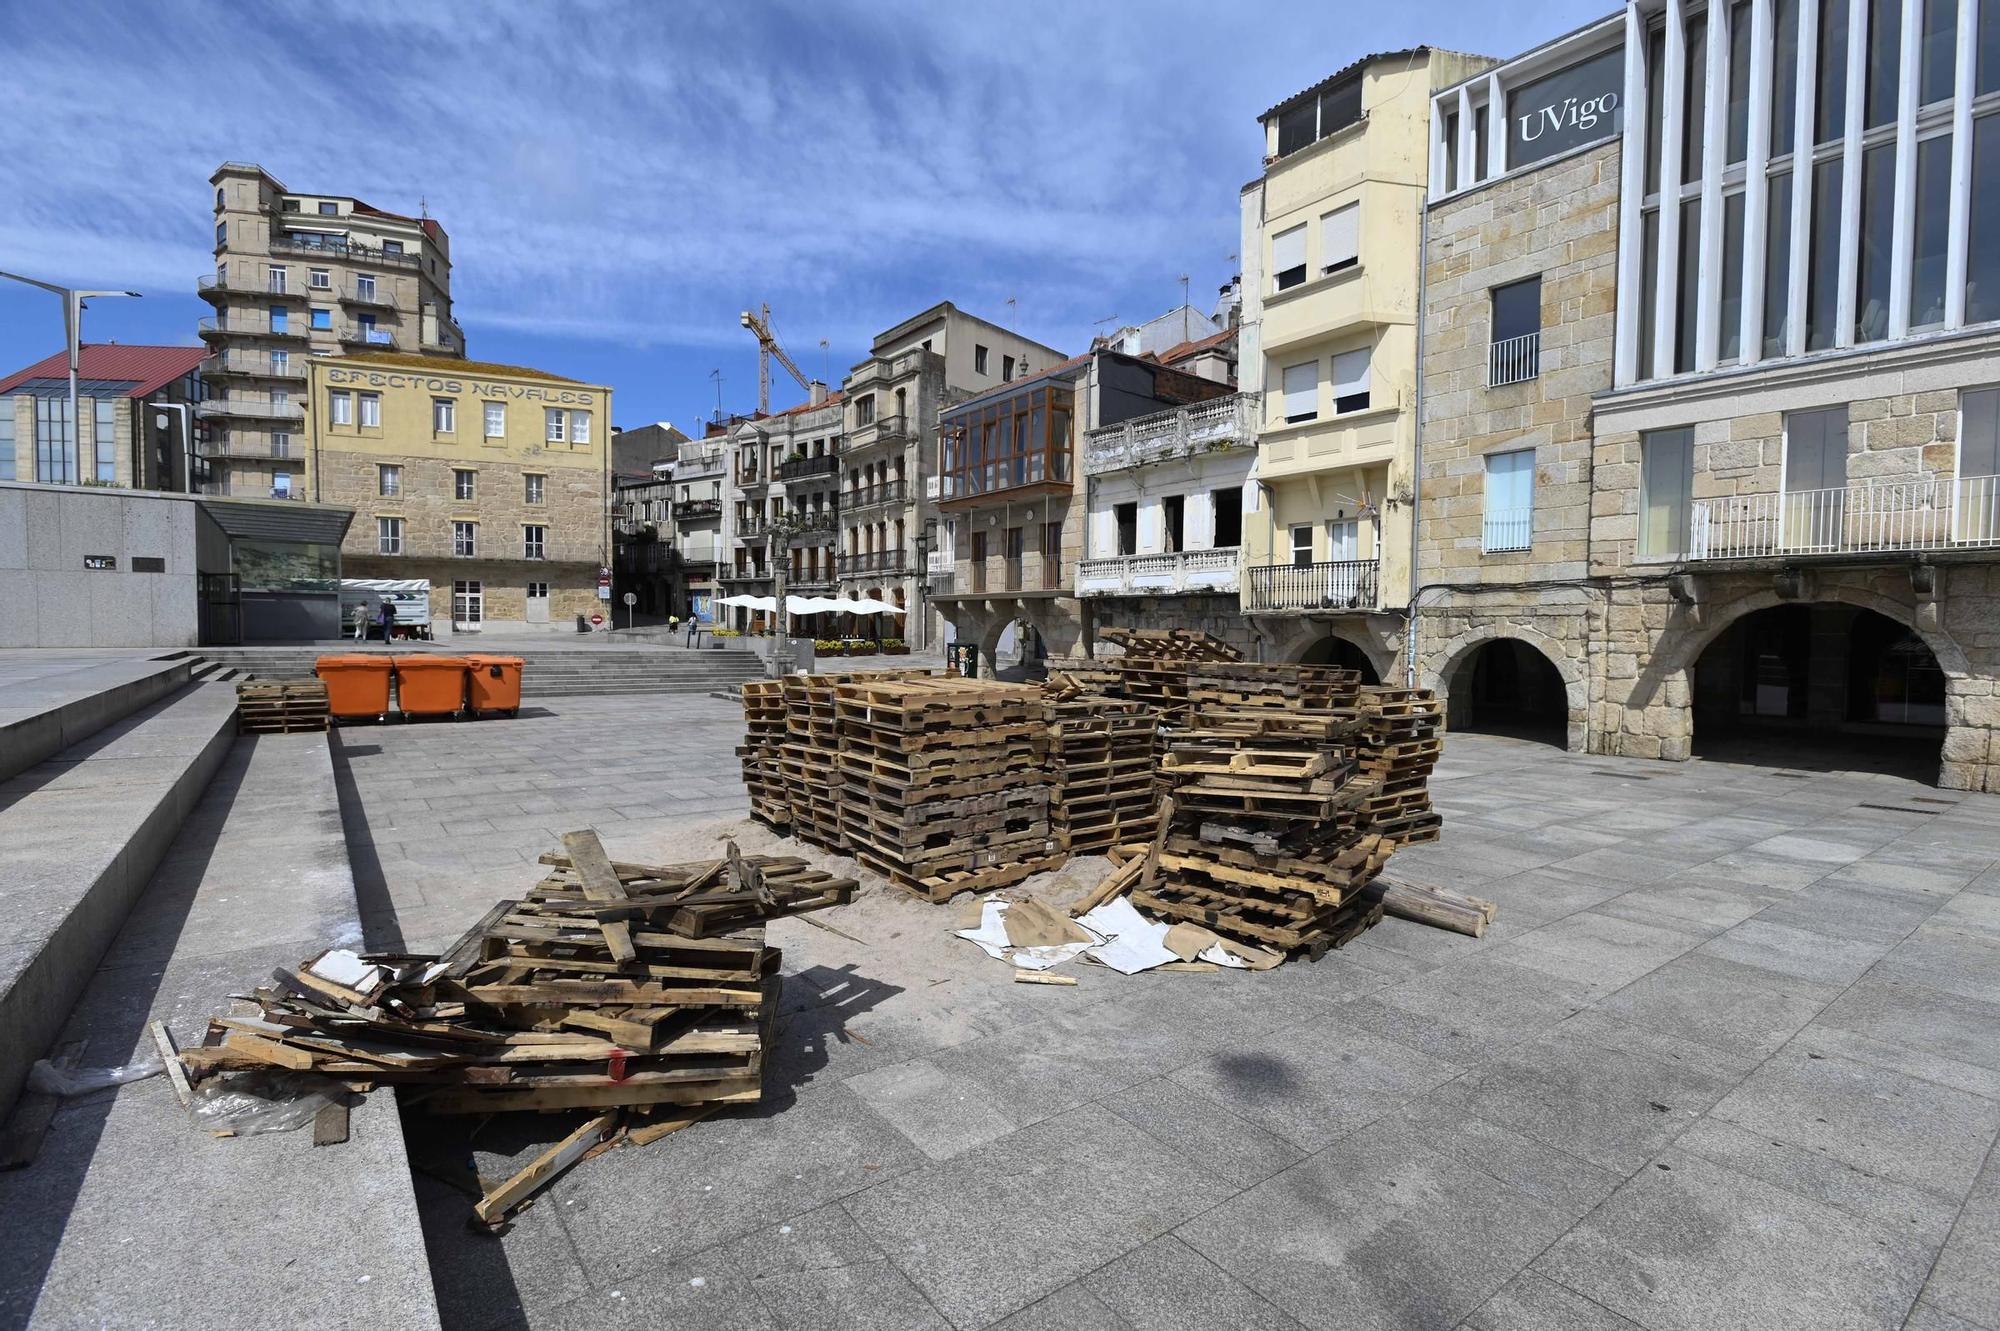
(170, 1055)
(544, 1168)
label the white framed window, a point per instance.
(371, 411)
(1666, 487)
(444, 415)
(340, 407)
(534, 541)
(1302, 545)
(579, 427)
(496, 420)
(534, 484)
(388, 479)
(555, 422)
(364, 286)
(389, 536)
(464, 482)
(465, 539)
(281, 443)
(538, 591)
(1340, 239)
(1350, 381)
(1509, 521)
(468, 603)
(1301, 392)
(281, 362)
(1288, 257)
(1343, 540)
(319, 279)
(281, 485)
(278, 279)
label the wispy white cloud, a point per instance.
(641, 172)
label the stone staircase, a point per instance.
(151, 865)
(548, 672)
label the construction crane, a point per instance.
(767, 347)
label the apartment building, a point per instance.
(699, 474)
(1166, 494)
(785, 506)
(891, 546)
(1329, 343)
(1792, 488)
(491, 481)
(644, 560)
(1520, 305)
(1014, 503)
(298, 276)
(134, 424)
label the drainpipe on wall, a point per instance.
(1417, 453)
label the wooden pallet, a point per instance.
(278, 707)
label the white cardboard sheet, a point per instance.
(1135, 942)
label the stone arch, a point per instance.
(1445, 668)
(1382, 660)
(1669, 668)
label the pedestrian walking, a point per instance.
(386, 617)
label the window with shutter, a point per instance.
(1350, 381)
(1288, 257)
(1510, 500)
(1301, 392)
(1340, 239)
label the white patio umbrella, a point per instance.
(868, 605)
(766, 603)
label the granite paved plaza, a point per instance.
(1730, 1058)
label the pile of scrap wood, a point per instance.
(1265, 837)
(1154, 668)
(944, 783)
(280, 706)
(1402, 746)
(1101, 765)
(762, 753)
(644, 994)
(1239, 684)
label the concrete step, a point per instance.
(51, 701)
(80, 834)
(131, 1214)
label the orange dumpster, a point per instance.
(493, 684)
(430, 685)
(356, 685)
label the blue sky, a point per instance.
(619, 180)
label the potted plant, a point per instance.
(861, 649)
(829, 647)
(895, 647)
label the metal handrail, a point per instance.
(1514, 360)
(1346, 584)
(1507, 529)
(1926, 513)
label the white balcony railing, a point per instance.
(1932, 513)
(1514, 360)
(1222, 423)
(1507, 529)
(1158, 575)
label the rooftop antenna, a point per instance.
(1013, 308)
(1185, 336)
(716, 374)
(825, 360)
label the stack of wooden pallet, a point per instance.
(1239, 684)
(280, 706)
(1266, 840)
(1403, 745)
(1154, 668)
(766, 729)
(643, 993)
(1101, 763)
(945, 782)
(807, 766)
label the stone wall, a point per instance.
(572, 509)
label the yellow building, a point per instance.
(488, 480)
(1329, 334)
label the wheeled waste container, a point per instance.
(430, 685)
(357, 685)
(493, 684)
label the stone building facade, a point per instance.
(490, 481)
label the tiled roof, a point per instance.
(146, 369)
(1340, 74)
(1186, 349)
(831, 399)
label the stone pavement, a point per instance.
(1729, 1058)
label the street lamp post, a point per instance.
(72, 300)
(778, 542)
(926, 537)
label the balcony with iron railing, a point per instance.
(1507, 529)
(244, 324)
(753, 528)
(872, 563)
(687, 510)
(1342, 584)
(366, 335)
(228, 286)
(331, 247)
(806, 581)
(1158, 575)
(813, 526)
(868, 496)
(373, 295)
(745, 573)
(792, 469)
(1514, 360)
(220, 408)
(1932, 513)
(243, 362)
(1226, 422)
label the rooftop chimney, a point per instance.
(816, 394)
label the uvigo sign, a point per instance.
(1566, 109)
